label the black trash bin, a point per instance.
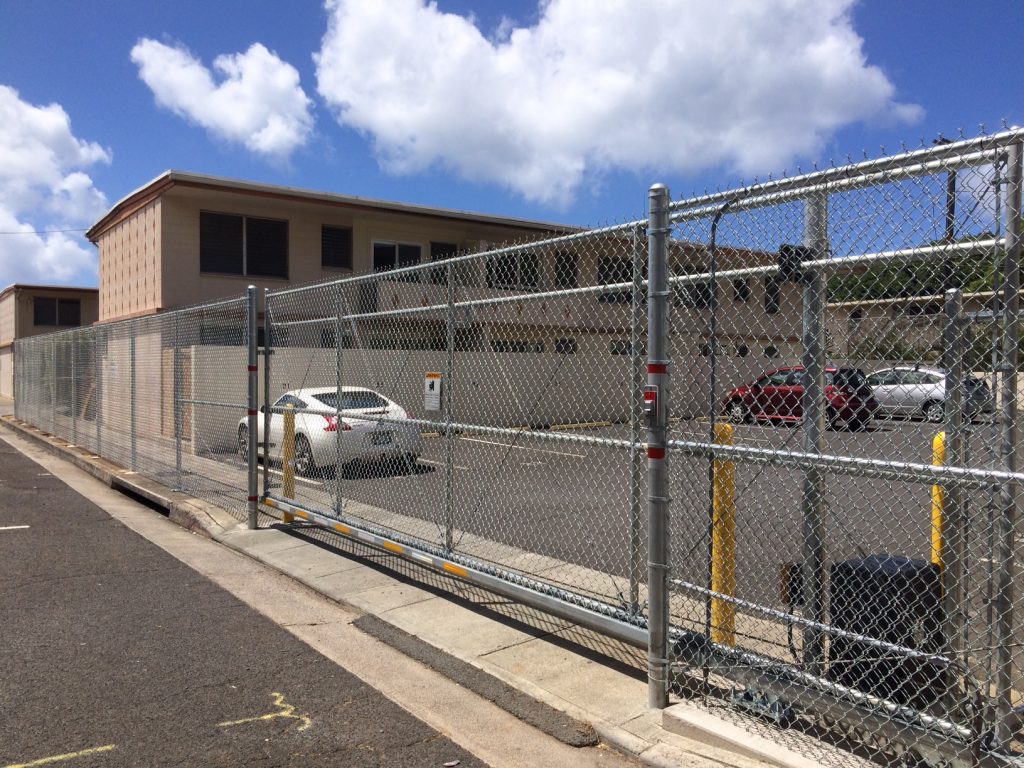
(896, 600)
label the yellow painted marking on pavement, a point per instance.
(392, 547)
(285, 710)
(457, 570)
(66, 756)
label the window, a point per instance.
(772, 290)
(742, 350)
(336, 247)
(285, 400)
(611, 271)
(566, 270)
(243, 245)
(741, 290)
(353, 400)
(693, 295)
(48, 310)
(514, 272)
(771, 351)
(565, 346)
(440, 252)
(516, 345)
(388, 256)
(622, 347)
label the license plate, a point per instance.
(380, 438)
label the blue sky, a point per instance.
(562, 111)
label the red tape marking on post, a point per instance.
(655, 453)
(252, 368)
(252, 412)
(657, 368)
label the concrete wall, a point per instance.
(183, 283)
(7, 372)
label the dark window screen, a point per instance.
(69, 312)
(266, 247)
(44, 311)
(439, 251)
(566, 271)
(220, 243)
(772, 289)
(615, 270)
(383, 256)
(408, 255)
(336, 247)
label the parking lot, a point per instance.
(570, 500)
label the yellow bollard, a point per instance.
(288, 459)
(938, 499)
(723, 543)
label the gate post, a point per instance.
(177, 404)
(636, 436)
(448, 404)
(656, 397)
(1006, 521)
(812, 505)
(131, 397)
(267, 352)
(252, 408)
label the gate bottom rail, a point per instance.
(810, 692)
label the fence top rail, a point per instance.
(957, 151)
(632, 228)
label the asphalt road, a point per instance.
(116, 654)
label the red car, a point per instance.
(778, 396)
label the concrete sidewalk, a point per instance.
(588, 676)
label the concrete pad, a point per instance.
(700, 725)
(264, 541)
(306, 561)
(449, 626)
(379, 600)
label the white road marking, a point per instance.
(315, 483)
(522, 447)
(441, 464)
(13, 527)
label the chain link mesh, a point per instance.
(528, 457)
(159, 395)
(821, 358)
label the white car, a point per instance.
(920, 391)
(371, 426)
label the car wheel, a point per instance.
(934, 412)
(737, 412)
(304, 463)
(243, 443)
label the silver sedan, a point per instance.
(916, 391)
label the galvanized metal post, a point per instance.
(446, 392)
(657, 442)
(98, 388)
(1006, 520)
(252, 369)
(177, 404)
(131, 394)
(338, 360)
(267, 352)
(954, 522)
(74, 388)
(53, 385)
(813, 406)
(636, 435)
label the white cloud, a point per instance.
(643, 85)
(42, 187)
(257, 103)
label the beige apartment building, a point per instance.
(187, 238)
(29, 310)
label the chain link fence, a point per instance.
(143, 394)
(843, 469)
(769, 434)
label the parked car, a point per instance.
(322, 439)
(778, 396)
(917, 391)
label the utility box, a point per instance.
(898, 601)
